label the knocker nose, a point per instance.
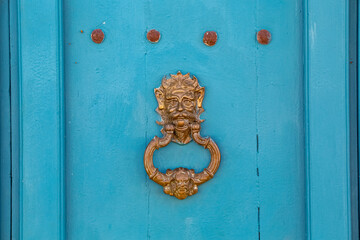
(180, 107)
(183, 184)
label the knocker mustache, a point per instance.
(181, 119)
(183, 114)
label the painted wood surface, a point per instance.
(353, 117)
(250, 90)
(37, 131)
(99, 124)
(5, 149)
(327, 120)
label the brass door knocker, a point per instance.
(180, 105)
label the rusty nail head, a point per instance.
(97, 36)
(210, 38)
(153, 36)
(263, 37)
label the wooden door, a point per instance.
(253, 110)
(83, 114)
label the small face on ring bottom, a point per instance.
(181, 184)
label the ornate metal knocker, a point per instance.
(180, 105)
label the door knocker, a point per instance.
(180, 105)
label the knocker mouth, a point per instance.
(181, 121)
(181, 193)
(181, 124)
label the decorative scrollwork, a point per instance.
(180, 105)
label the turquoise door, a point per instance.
(83, 110)
(253, 110)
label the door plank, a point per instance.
(38, 196)
(5, 135)
(279, 72)
(226, 206)
(106, 120)
(327, 119)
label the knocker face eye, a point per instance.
(177, 100)
(172, 104)
(189, 104)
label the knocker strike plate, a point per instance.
(180, 105)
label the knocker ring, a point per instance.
(180, 105)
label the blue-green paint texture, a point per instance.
(83, 114)
(250, 90)
(5, 132)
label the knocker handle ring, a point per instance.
(180, 105)
(181, 182)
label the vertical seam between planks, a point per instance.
(20, 119)
(347, 115)
(14, 114)
(353, 118)
(10, 130)
(147, 9)
(306, 118)
(354, 113)
(256, 121)
(61, 99)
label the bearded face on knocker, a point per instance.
(180, 104)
